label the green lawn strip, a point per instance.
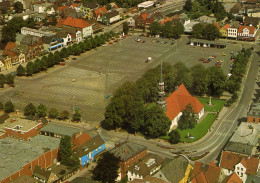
(217, 104)
(199, 130)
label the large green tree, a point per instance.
(29, 68)
(174, 137)
(18, 7)
(125, 27)
(16, 24)
(64, 115)
(199, 77)
(211, 32)
(53, 113)
(217, 81)
(76, 116)
(167, 29)
(20, 71)
(9, 79)
(107, 167)
(156, 122)
(188, 118)
(2, 80)
(8, 35)
(41, 110)
(155, 28)
(9, 107)
(29, 110)
(188, 5)
(198, 30)
(182, 75)
(178, 29)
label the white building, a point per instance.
(145, 4)
(44, 8)
(34, 32)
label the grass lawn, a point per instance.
(217, 104)
(199, 130)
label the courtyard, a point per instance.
(85, 81)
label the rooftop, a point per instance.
(24, 151)
(20, 124)
(208, 42)
(239, 148)
(59, 129)
(60, 170)
(254, 110)
(127, 150)
(23, 179)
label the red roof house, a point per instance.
(231, 161)
(203, 173)
(100, 11)
(9, 49)
(76, 22)
(60, 8)
(233, 178)
(81, 139)
(178, 101)
(246, 32)
(226, 26)
(166, 20)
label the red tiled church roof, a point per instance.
(179, 99)
(250, 28)
(75, 22)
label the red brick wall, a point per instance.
(25, 136)
(124, 166)
(44, 161)
(253, 119)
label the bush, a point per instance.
(174, 137)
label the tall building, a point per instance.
(161, 93)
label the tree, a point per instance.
(2, 80)
(53, 20)
(56, 57)
(155, 28)
(188, 6)
(167, 29)
(31, 22)
(9, 79)
(178, 29)
(156, 122)
(8, 35)
(29, 68)
(9, 107)
(93, 43)
(182, 75)
(195, 7)
(76, 116)
(199, 77)
(64, 53)
(211, 32)
(88, 44)
(37, 66)
(53, 113)
(219, 11)
(18, 7)
(50, 60)
(174, 137)
(20, 71)
(198, 30)
(188, 118)
(76, 50)
(16, 24)
(64, 115)
(107, 168)
(29, 110)
(125, 27)
(41, 110)
(217, 81)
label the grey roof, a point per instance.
(82, 180)
(127, 150)
(145, 165)
(60, 170)
(19, 37)
(91, 5)
(234, 24)
(41, 173)
(24, 151)
(178, 165)
(24, 179)
(254, 110)
(247, 133)
(28, 12)
(189, 26)
(239, 148)
(252, 179)
(111, 14)
(47, 39)
(30, 40)
(89, 146)
(207, 19)
(22, 48)
(59, 129)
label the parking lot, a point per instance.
(86, 80)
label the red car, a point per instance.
(205, 61)
(202, 59)
(110, 42)
(214, 56)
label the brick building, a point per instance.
(21, 157)
(253, 115)
(128, 153)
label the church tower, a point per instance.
(161, 93)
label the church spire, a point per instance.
(161, 93)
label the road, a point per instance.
(168, 8)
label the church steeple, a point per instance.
(161, 93)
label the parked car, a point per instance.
(202, 59)
(211, 57)
(214, 56)
(205, 61)
(110, 42)
(104, 45)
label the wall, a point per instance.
(44, 161)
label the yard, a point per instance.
(199, 130)
(217, 104)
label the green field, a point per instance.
(217, 104)
(199, 130)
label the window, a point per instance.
(237, 168)
(241, 175)
(241, 169)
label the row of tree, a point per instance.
(168, 30)
(238, 71)
(6, 79)
(41, 111)
(197, 8)
(205, 31)
(53, 59)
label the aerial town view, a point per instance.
(129, 91)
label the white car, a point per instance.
(104, 45)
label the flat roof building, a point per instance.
(145, 4)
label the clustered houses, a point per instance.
(35, 143)
(76, 21)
